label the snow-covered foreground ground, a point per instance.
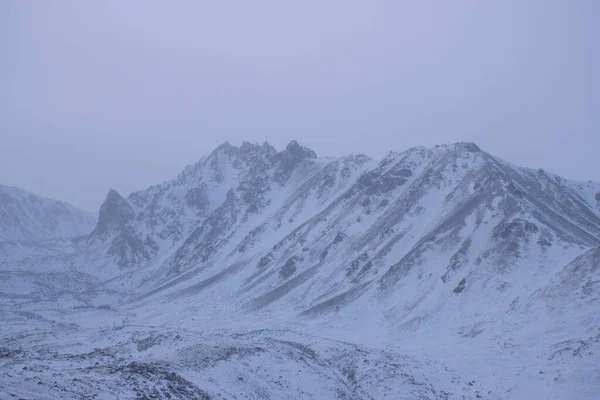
(64, 347)
(99, 353)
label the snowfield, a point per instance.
(435, 273)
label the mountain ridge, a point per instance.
(438, 248)
(25, 216)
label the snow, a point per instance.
(27, 217)
(435, 273)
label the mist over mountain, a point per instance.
(439, 272)
(25, 216)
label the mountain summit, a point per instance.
(115, 212)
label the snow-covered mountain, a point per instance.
(27, 217)
(434, 273)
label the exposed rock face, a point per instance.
(289, 159)
(197, 198)
(114, 213)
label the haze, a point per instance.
(99, 95)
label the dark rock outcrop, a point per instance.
(114, 212)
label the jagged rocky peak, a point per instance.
(114, 212)
(265, 148)
(238, 156)
(468, 146)
(293, 149)
(461, 146)
(254, 153)
(246, 147)
(262, 156)
(289, 159)
(226, 148)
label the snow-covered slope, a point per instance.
(446, 256)
(27, 217)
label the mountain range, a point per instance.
(440, 272)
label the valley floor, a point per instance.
(49, 352)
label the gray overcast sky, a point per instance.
(95, 95)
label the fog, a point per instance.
(124, 95)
